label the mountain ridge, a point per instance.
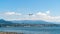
(32, 22)
(2, 21)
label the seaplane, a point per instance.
(30, 14)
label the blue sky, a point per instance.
(20, 9)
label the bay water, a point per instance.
(32, 30)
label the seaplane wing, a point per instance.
(30, 14)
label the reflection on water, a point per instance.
(33, 30)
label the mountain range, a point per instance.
(31, 22)
(2, 21)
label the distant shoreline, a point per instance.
(10, 33)
(29, 25)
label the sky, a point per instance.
(48, 10)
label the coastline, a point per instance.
(10, 33)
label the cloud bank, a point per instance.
(12, 13)
(37, 16)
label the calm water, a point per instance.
(33, 30)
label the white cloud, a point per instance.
(37, 16)
(12, 13)
(48, 12)
(47, 17)
(41, 14)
